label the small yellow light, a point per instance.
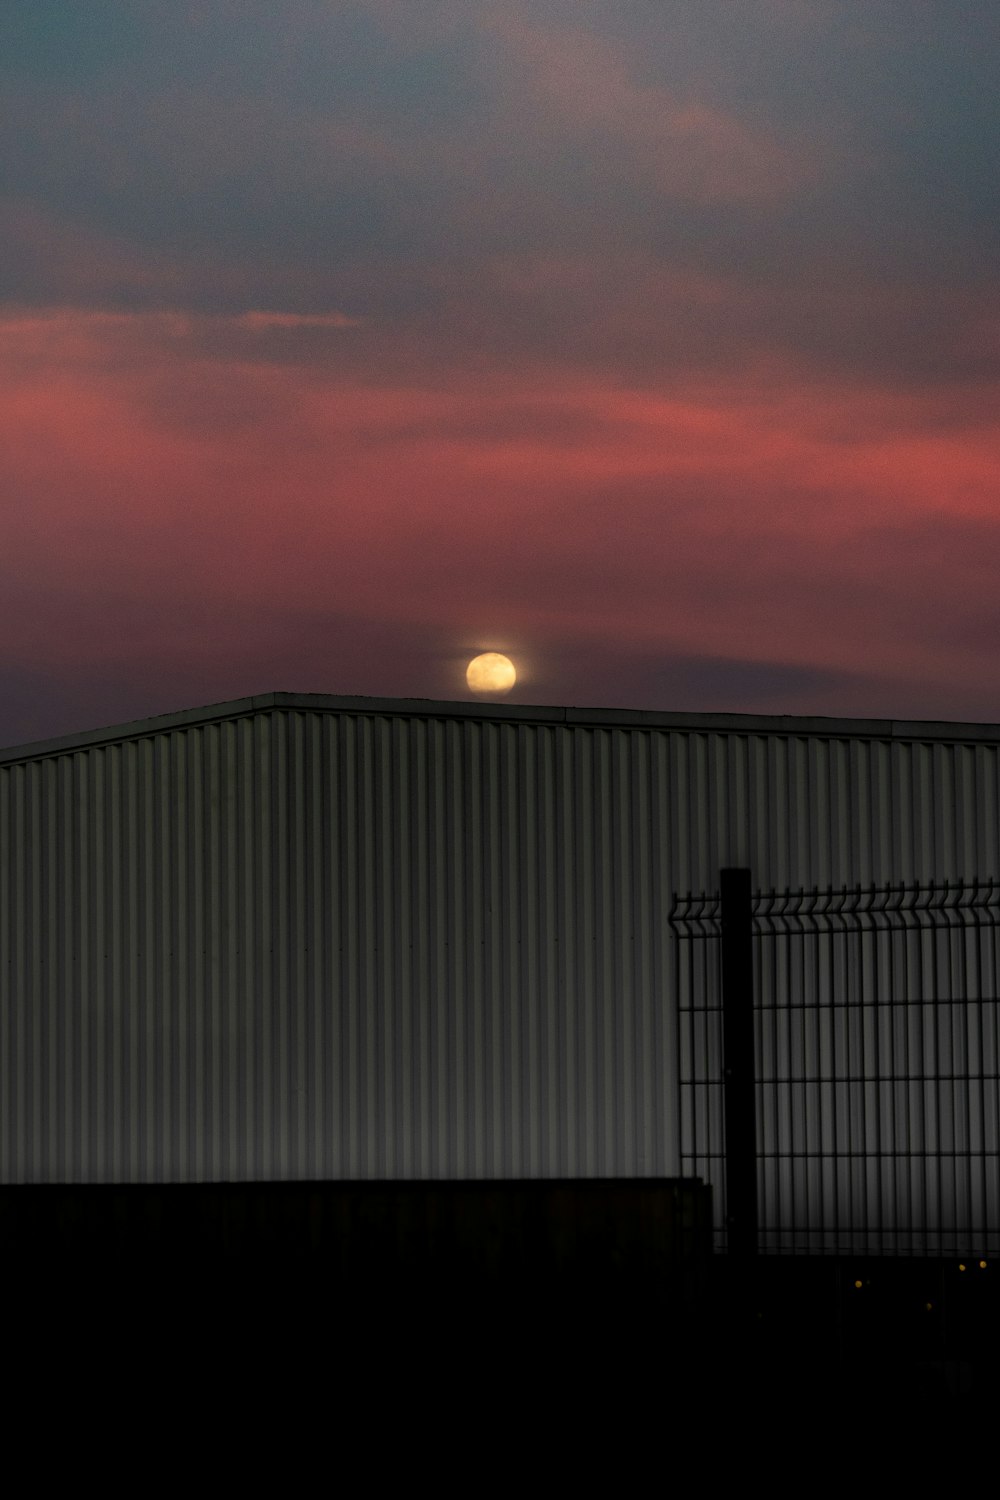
(982, 1265)
(929, 1306)
(857, 1284)
(961, 1267)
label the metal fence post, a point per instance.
(739, 1081)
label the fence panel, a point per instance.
(877, 1062)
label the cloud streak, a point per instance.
(151, 485)
(654, 344)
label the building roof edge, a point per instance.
(597, 718)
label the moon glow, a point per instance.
(491, 673)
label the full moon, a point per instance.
(490, 673)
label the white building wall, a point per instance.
(304, 937)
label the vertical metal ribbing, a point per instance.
(921, 1124)
(512, 856)
(786, 1111)
(493, 999)
(10, 1134)
(40, 873)
(118, 956)
(563, 1072)
(929, 1046)
(862, 1189)
(247, 956)
(27, 1163)
(948, 1059)
(973, 1062)
(901, 978)
(531, 953)
(797, 1086)
(166, 929)
(955, 1070)
(8, 1098)
(879, 977)
(87, 1143)
(766, 987)
(659, 1058)
(163, 1031)
(462, 939)
(683, 998)
(895, 941)
(636, 1148)
(327, 1145)
(549, 1020)
(991, 1095)
(417, 958)
(295, 987)
(351, 975)
(386, 1000)
(189, 980)
(694, 997)
(163, 1058)
(877, 944)
(930, 984)
(975, 1145)
(636, 958)
(15, 882)
(822, 985)
(33, 955)
(889, 1137)
(619, 1024)
(380, 999)
(324, 1137)
(228, 1070)
(49, 909)
(961, 1113)
(468, 1017)
(441, 1060)
(738, 1066)
(260, 1135)
(580, 1062)
(405, 939)
(505, 1008)
(606, 877)
(985, 931)
(357, 993)
(853, 981)
(243, 939)
(278, 1058)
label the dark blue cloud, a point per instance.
(306, 137)
(63, 44)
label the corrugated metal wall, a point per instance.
(343, 944)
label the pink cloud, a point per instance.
(150, 487)
(262, 321)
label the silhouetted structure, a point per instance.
(300, 939)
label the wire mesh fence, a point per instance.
(876, 1064)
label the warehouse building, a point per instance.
(309, 937)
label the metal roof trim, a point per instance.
(788, 725)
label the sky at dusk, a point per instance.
(655, 343)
